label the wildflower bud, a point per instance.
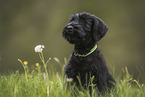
(44, 75)
(19, 60)
(56, 59)
(69, 79)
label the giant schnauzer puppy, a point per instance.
(86, 62)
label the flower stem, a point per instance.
(43, 61)
(26, 74)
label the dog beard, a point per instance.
(73, 39)
(77, 36)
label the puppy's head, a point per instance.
(84, 28)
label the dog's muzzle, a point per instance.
(70, 28)
(74, 29)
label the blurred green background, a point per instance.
(27, 23)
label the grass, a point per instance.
(39, 82)
(36, 85)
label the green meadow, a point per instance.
(39, 82)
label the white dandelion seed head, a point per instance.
(39, 48)
(42, 46)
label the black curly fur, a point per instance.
(84, 31)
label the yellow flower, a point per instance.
(25, 62)
(37, 64)
(51, 82)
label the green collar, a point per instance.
(85, 55)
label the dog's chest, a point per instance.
(77, 65)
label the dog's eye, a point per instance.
(82, 19)
(88, 21)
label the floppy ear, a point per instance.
(99, 28)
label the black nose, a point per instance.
(70, 28)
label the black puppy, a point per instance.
(86, 61)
